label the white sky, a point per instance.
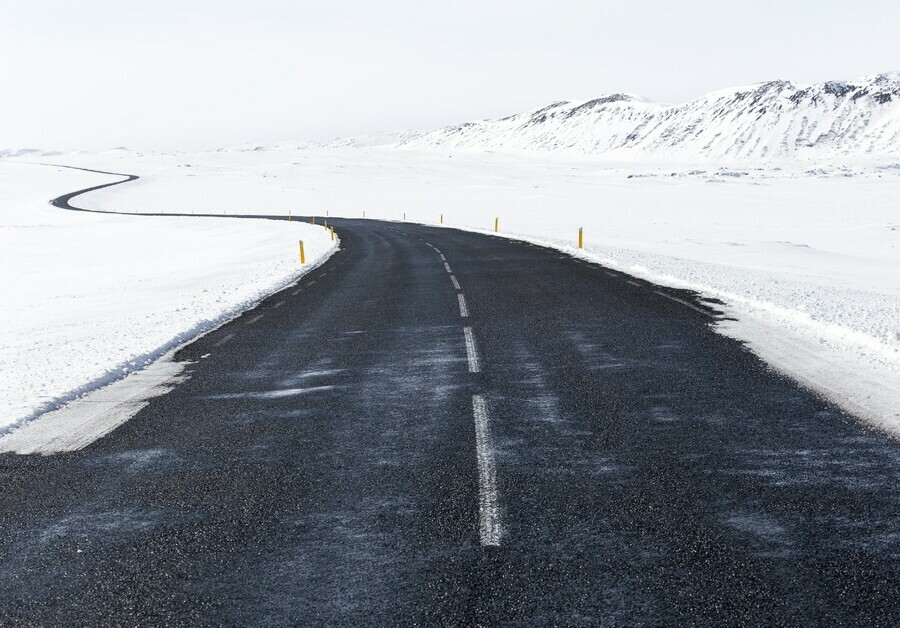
(161, 74)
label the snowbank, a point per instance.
(805, 253)
(88, 298)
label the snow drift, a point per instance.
(89, 298)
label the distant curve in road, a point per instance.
(64, 201)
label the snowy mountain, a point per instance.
(761, 121)
(28, 152)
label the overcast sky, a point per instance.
(161, 74)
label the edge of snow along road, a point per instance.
(125, 386)
(845, 367)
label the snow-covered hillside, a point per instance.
(770, 120)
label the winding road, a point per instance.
(442, 427)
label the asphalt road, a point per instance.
(504, 434)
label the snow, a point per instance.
(781, 200)
(764, 121)
(88, 298)
(804, 253)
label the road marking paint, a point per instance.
(455, 283)
(295, 292)
(633, 283)
(443, 259)
(683, 302)
(463, 310)
(279, 304)
(471, 350)
(447, 267)
(254, 319)
(311, 282)
(488, 507)
(610, 274)
(436, 250)
(224, 340)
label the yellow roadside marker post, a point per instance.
(313, 220)
(580, 237)
(326, 224)
(302, 254)
(289, 215)
(404, 215)
(442, 218)
(496, 225)
(332, 234)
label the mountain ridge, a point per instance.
(771, 119)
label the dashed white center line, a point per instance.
(279, 304)
(224, 340)
(295, 292)
(443, 259)
(311, 282)
(447, 267)
(254, 319)
(455, 283)
(488, 506)
(471, 351)
(633, 283)
(463, 310)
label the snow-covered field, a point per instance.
(88, 297)
(805, 254)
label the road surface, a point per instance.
(443, 427)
